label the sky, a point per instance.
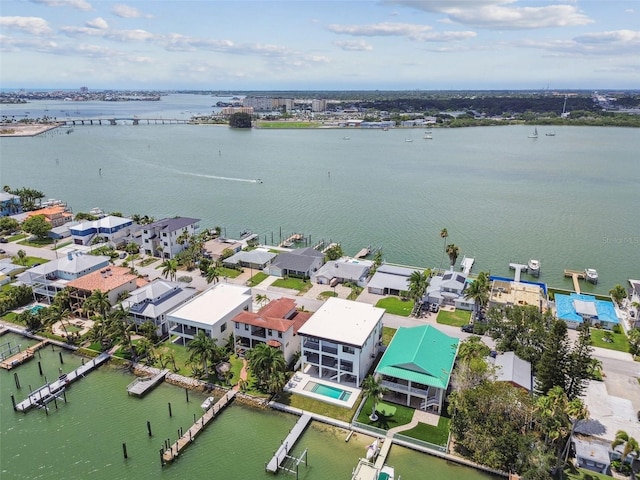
(314, 45)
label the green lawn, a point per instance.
(316, 406)
(396, 306)
(402, 416)
(229, 272)
(387, 335)
(148, 261)
(456, 318)
(257, 279)
(438, 435)
(293, 283)
(36, 242)
(20, 236)
(619, 343)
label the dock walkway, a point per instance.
(519, 268)
(189, 436)
(44, 394)
(20, 357)
(288, 443)
(575, 276)
(384, 452)
(140, 386)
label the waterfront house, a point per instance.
(341, 340)
(51, 277)
(275, 324)
(507, 293)
(152, 302)
(343, 270)
(578, 308)
(113, 281)
(592, 453)
(391, 279)
(217, 247)
(111, 229)
(448, 289)
(211, 312)
(63, 231)
(257, 259)
(416, 367)
(55, 216)
(300, 263)
(10, 204)
(511, 368)
(167, 237)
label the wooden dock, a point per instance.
(20, 357)
(384, 452)
(364, 252)
(575, 276)
(189, 436)
(288, 443)
(140, 386)
(294, 238)
(44, 394)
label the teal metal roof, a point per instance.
(420, 354)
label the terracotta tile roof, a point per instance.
(105, 279)
(278, 308)
(273, 316)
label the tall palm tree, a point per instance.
(21, 257)
(478, 291)
(452, 251)
(618, 293)
(213, 275)
(631, 445)
(418, 283)
(372, 388)
(98, 302)
(203, 348)
(443, 234)
(265, 362)
(169, 268)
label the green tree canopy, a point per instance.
(37, 225)
(240, 120)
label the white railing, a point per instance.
(398, 387)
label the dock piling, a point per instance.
(13, 402)
(124, 450)
(170, 414)
(40, 368)
(60, 355)
(17, 380)
(149, 428)
(186, 391)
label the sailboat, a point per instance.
(534, 134)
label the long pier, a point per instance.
(140, 386)
(44, 394)
(171, 453)
(384, 452)
(288, 443)
(20, 357)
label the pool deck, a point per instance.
(299, 381)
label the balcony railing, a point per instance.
(311, 345)
(330, 349)
(399, 387)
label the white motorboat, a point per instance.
(372, 450)
(427, 135)
(208, 403)
(591, 275)
(533, 267)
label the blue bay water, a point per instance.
(570, 201)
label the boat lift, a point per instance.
(291, 464)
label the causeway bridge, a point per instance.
(123, 121)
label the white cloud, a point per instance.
(420, 33)
(500, 14)
(617, 42)
(99, 23)
(125, 11)
(137, 35)
(79, 4)
(31, 25)
(354, 45)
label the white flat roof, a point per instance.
(212, 304)
(343, 321)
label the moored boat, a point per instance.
(591, 275)
(533, 267)
(208, 403)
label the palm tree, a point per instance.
(98, 302)
(631, 445)
(203, 348)
(265, 362)
(372, 388)
(261, 299)
(452, 251)
(213, 275)
(618, 293)
(443, 234)
(169, 268)
(21, 257)
(418, 282)
(478, 291)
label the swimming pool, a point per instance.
(327, 391)
(36, 308)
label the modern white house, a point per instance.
(416, 367)
(169, 236)
(275, 324)
(211, 312)
(49, 278)
(152, 302)
(115, 230)
(448, 289)
(343, 270)
(341, 340)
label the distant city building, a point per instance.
(259, 104)
(318, 105)
(227, 111)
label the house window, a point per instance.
(223, 327)
(279, 334)
(246, 326)
(269, 332)
(164, 234)
(349, 350)
(237, 325)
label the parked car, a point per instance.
(3, 240)
(467, 328)
(434, 307)
(2, 252)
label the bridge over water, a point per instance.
(123, 120)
